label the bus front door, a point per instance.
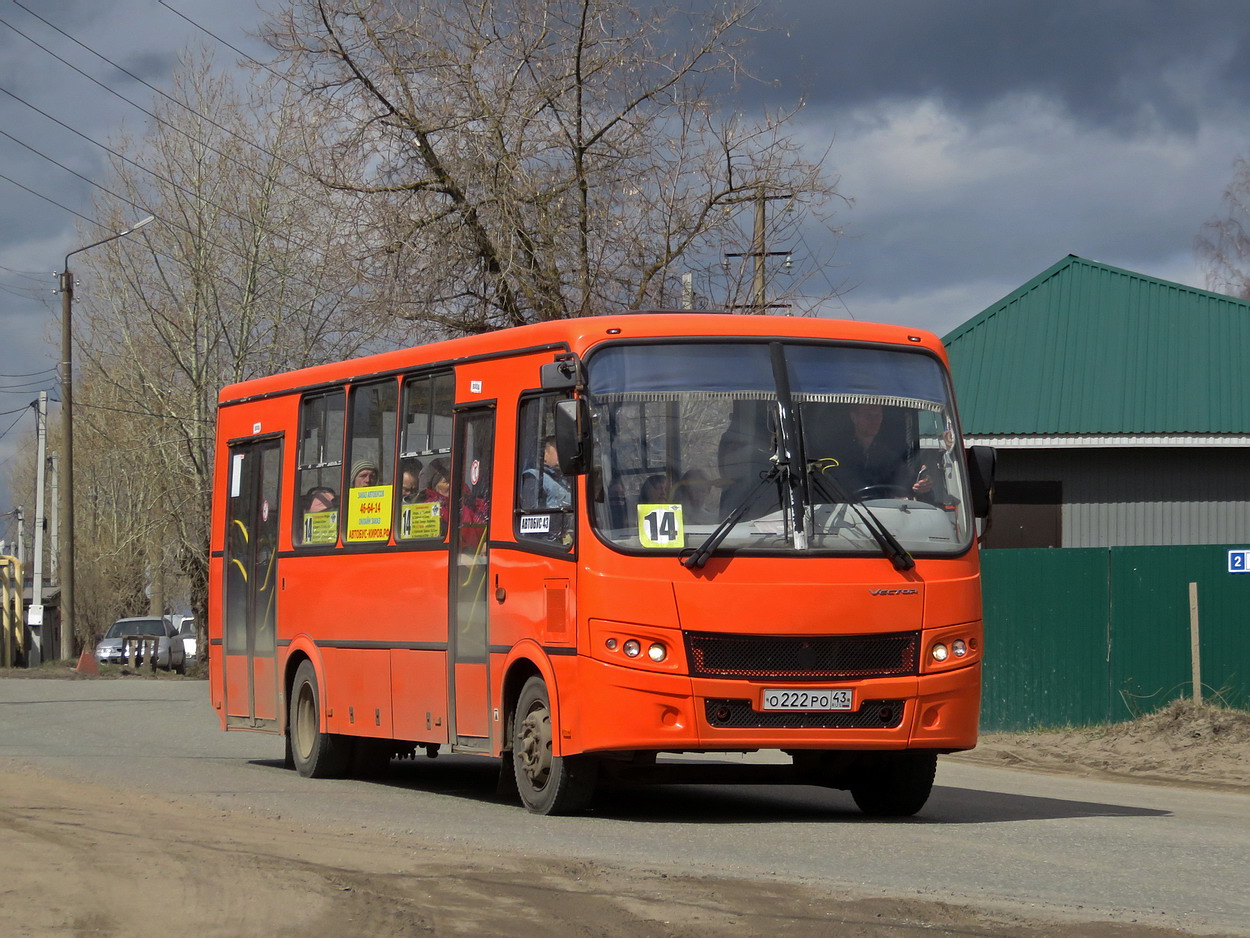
(249, 659)
(473, 459)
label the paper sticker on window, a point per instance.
(369, 514)
(420, 520)
(321, 527)
(661, 526)
(535, 524)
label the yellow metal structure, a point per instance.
(12, 623)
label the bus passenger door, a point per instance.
(473, 462)
(249, 656)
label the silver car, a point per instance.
(170, 653)
(186, 631)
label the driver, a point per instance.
(870, 458)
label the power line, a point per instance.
(253, 60)
(139, 107)
(181, 227)
(151, 172)
(14, 289)
(130, 74)
(23, 388)
(38, 275)
(90, 221)
(250, 259)
(15, 422)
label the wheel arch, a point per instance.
(302, 649)
(526, 660)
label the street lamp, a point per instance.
(67, 440)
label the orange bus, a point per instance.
(579, 545)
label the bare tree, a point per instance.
(1224, 245)
(537, 159)
(250, 270)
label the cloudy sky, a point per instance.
(979, 141)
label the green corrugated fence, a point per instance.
(1094, 635)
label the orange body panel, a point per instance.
(375, 620)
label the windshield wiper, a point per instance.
(789, 455)
(884, 537)
(701, 553)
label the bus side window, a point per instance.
(545, 497)
(319, 470)
(371, 463)
(424, 457)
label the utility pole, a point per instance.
(53, 527)
(35, 616)
(759, 251)
(67, 438)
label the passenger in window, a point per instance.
(437, 486)
(319, 498)
(409, 481)
(545, 486)
(654, 491)
(694, 492)
(364, 473)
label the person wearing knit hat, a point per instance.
(364, 473)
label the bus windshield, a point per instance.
(808, 445)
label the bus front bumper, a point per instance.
(635, 710)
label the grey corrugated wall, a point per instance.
(1133, 497)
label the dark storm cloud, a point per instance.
(1116, 63)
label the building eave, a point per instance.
(1110, 441)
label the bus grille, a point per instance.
(739, 714)
(789, 658)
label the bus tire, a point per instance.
(895, 784)
(315, 754)
(547, 784)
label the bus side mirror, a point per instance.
(982, 464)
(571, 435)
(563, 374)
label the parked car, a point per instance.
(170, 651)
(186, 631)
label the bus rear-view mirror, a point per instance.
(982, 464)
(571, 424)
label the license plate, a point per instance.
(828, 698)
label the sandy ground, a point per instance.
(1183, 744)
(76, 860)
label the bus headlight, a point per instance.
(958, 648)
(940, 652)
(657, 652)
(632, 648)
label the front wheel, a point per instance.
(894, 784)
(548, 784)
(314, 753)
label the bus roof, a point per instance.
(579, 335)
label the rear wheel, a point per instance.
(315, 754)
(894, 784)
(548, 784)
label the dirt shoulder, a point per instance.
(83, 860)
(1183, 744)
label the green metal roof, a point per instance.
(1084, 348)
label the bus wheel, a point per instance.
(547, 784)
(315, 754)
(894, 784)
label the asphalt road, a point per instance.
(999, 839)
